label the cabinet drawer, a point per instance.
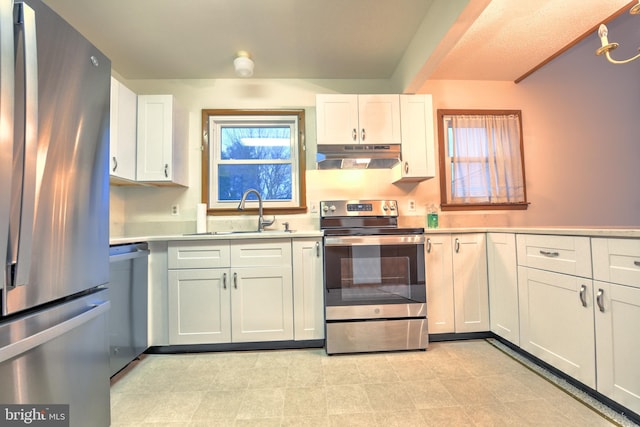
(561, 254)
(261, 252)
(199, 254)
(617, 261)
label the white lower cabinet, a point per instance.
(249, 299)
(616, 270)
(556, 302)
(502, 268)
(199, 306)
(308, 289)
(556, 321)
(457, 286)
(617, 318)
(261, 304)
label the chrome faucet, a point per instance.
(261, 221)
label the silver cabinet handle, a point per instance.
(457, 245)
(166, 170)
(600, 299)
(317, 249)
(637, 263)
(583, 295)
(364, 135)
(406, 167)
(354, 134)
(549, 254)
(224, 280)
(428, 246)
(115, 164)
(235, 280)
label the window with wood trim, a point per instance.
(259, 149)
(481, 160)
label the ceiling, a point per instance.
(332, 39)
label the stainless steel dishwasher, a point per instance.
(128, 295)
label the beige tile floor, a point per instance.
(463, 383)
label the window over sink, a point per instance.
(259, 149)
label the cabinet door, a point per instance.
(502, 270)
(261, 304)
(122, 136)
(418, 139)
(439, 271)
(379, 119)
(471, 288)
(617, 316)
(155, 138)
(199, 306)
(308, 292)
(337, 119)
(556, 321)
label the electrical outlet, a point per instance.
(411, 206)
(175, 210)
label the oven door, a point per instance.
(374, 270)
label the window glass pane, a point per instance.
(255, 143)
(482, 158)
(273, 181)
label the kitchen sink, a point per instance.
(232, 232)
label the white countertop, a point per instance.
(219, 235)
(275, 234)
(567, 231)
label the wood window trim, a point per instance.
(444, 204)
(206, 163)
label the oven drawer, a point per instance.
(377, 335)
(382, 311)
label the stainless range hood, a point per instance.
(358, 156)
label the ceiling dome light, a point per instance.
(243, 64)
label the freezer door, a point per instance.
(66, 248)
(59, 356)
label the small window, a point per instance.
(262, 150)
(481, 159)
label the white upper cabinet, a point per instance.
(358, 119)
(162, 141)
(122, 135)
(418, 139)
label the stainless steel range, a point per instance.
(374, 275)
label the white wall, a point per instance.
(581, 143)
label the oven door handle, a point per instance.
(414, 239)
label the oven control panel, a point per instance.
(367, 208)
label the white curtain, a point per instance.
(485, 159)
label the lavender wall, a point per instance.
(582, 134)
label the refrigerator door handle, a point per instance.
(7, 86)
(24, 345)
(23, 203)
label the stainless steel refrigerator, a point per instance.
(54, 216)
